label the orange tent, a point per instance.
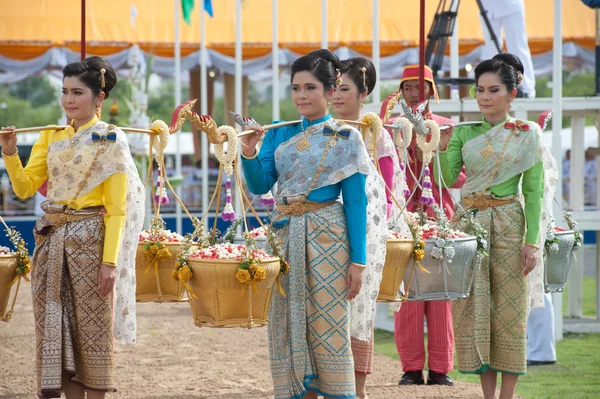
(28, 29)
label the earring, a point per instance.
(362, 103)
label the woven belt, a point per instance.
(57, 215)
(483, 202)
(299, 208)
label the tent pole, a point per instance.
(324, 28)
(422, 53)
(239, 108)
(177, 77)
(204, 111)
(82, 45)
(275, 60)
(597, 34)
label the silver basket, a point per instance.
(557, 266)
(445, 281)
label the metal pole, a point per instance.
(422, 53)
(324, 40)
(556, 132)
(177, 77)
(598, 53)
(238, 82)
(82, 45)
(376, 95)
(204, 111)
(275, 60)
(454, 57)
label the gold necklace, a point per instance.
(488, 150)
(69, 153)
(304, 143)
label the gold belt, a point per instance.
(58, 215)
(483, 202)
(299, 208)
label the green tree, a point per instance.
(37, 90)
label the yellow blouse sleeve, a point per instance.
(115, 202)
(26, 180)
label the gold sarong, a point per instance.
(73, 323)
(490, 325)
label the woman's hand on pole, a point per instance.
(250, 141)
(8, 141)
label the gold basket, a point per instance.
(162, 287)
(8, 272)
(220, 301)
(398, 255)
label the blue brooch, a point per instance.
(110, 137)
(343, 133)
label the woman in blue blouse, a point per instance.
(324, 241)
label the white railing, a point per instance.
(529, 109)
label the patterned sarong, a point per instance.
(73, 323)
(363, 354)
(310, 328)
(490, 325)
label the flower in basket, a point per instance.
(5, 251)
(230, 252)
(182, 271)
(163, 235)
(259, 232)
(159, 232)
(393, 235)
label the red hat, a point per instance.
(411, 72)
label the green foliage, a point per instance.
(36, 90)
(20, 112)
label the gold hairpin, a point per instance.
(103, 82)
(364, 72)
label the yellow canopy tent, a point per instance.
(28, 29)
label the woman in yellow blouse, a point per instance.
(86, 240)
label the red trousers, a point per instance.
(408, 333)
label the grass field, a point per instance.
(576, 374)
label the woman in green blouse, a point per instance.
(509, 189)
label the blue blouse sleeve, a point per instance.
(260, 172)
(355, 206)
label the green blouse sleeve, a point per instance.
(533, 192)
(451, 160)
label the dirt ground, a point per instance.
(175, 359)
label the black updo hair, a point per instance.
(506, 65)
(88, 71)
(352, 67)
(322, 64)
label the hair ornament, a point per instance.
(519, 77)
(338, 77)
(103, 82)
(364, 73)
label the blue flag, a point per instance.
(208, 7)
(188, 5)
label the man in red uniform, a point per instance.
(408, 322)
